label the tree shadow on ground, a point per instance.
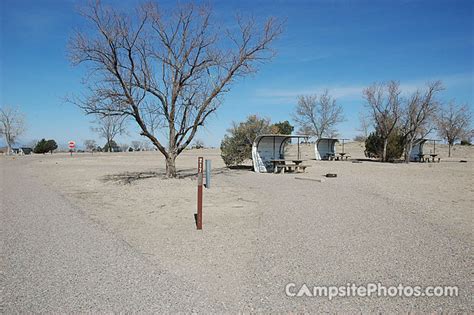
(126, 178)
(241, 167)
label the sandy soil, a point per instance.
(392, 223)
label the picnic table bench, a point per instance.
(337, 157)
(291, 165)
(421, 157)
(426, 157)
(342, 156)
(433, 156)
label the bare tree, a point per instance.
(318, 116)
(32, 143)
(364, 126)
(124, 147)
(90, 145)
(108, 127)
(384, 103)
(12, 125)
(198, 144)
(454, 123)
(418, 113)
(136, 145)
(146, 145)
(166, 70)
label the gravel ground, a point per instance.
(107, 232)
(55, 259)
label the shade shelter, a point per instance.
(325, 148)
(267, 148)
(417, 150)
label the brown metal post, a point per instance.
(199, 196)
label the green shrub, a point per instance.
(395, 145)
(283, 128)
(236, 147)
(45, 146)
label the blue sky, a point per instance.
(341, 45)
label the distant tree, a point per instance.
(173, 66)
(198, 144)
(12, 125)
(111, 146)
(146, 145)
(236, 147)
(43, 146)
(318, 116)
(136, 145)
(360, 138)
(108, 127)
(40, 147)
(364, 127)
(32, 143)
(90, 145)
(384, 104)
(124, 147)
(51, 145)
(454, 123)
(284, 127)
(417, 115)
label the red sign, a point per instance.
(71, 144)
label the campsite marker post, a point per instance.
(199, 196)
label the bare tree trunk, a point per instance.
(384, 153)
(408, 150)
(9, 148)
(449, 149)
(171, 166)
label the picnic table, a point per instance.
(421, 157)
(282, 165)
(433, 157)
(342, 155)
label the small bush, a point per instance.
(465, 142)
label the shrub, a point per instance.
(51, 145)
(236, 147)
(45, 146)
(395, 146)
(283, 127)
(465, 142)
